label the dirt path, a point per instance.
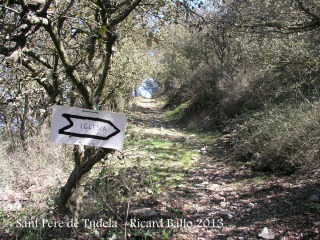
(202, 196)
(175, 185)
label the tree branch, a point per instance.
(307, 11)
(62, 18)
(45, 8)
(37, 58)
(111, 38)
(122, 16)
(11, 9)
(47, 87)
(188, 9)
(6, 51)
(69, 68)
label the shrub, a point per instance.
(283, 138)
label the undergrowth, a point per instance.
(282, 138)
(30, 180)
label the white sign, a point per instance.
(81, 126)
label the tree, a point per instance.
(286, 16)
(238, 54)
(66, 48)
(280, 35)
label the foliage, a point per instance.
(272, 15)
(282, 138)
(247, 58)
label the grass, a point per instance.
(31, 180)
(167, 155)
(286, 137)
(256, 180)
(315, 207)
(176, 113)
(204, 138)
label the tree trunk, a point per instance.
(23, 123)
(70, 198)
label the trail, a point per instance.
(180, 185)
(209, 198)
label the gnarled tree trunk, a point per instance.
(70, 197)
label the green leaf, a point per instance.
(102, 30)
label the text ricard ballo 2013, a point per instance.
(133, 223)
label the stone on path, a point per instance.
(143, 213)
(226, 214)
(265, 234)
(217, 199)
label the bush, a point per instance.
(33, 174)
(282, 138)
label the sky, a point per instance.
(147, 88)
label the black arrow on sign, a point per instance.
(82, 135)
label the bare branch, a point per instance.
(37, 58)
(308, 12)
(45, 7)
(62, 18)
(107, 65)
(10, 9)
(47, 87)
(123, 15)
(69, 68)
